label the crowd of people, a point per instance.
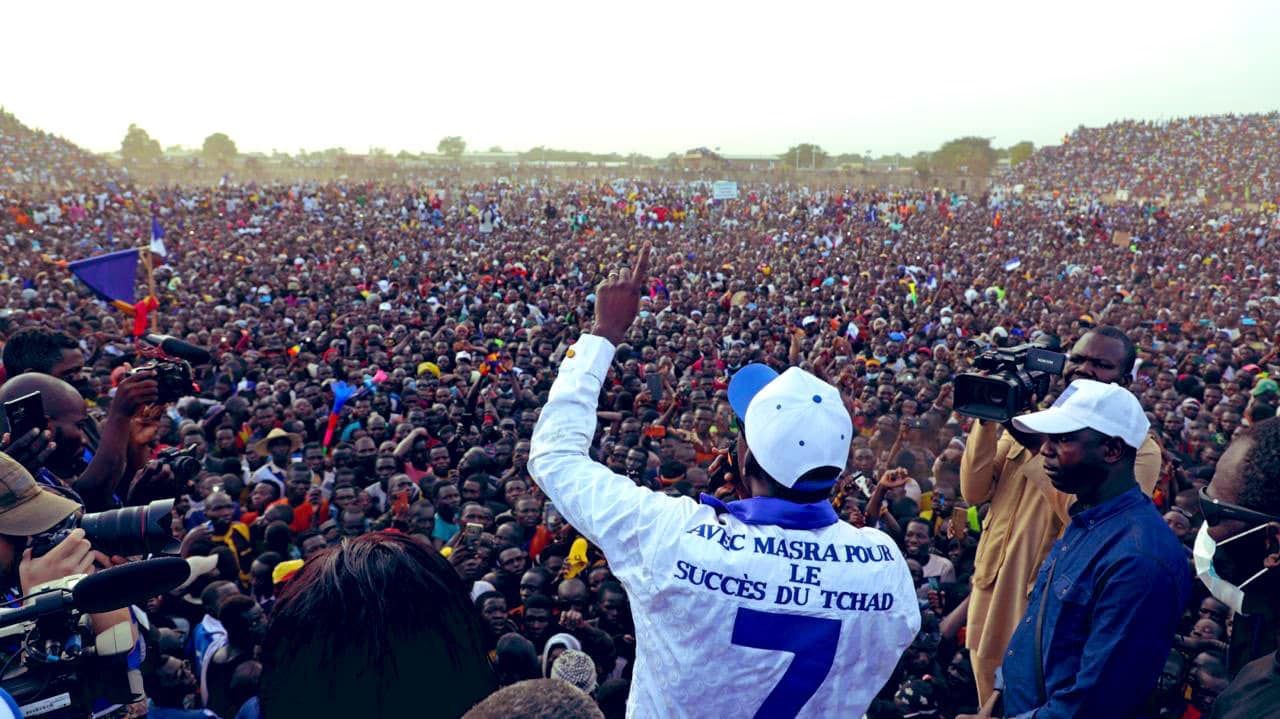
(34, 158)
(1219, 158)
(381, 352)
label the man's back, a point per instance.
(764, 607)
(763, 619)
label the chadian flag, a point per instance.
(111, 276)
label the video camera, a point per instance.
(173, 368)
(1007, 380)
(65, 669)
(125, 531)
(172, 376)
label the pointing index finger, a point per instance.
(640, 274)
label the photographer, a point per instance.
(27, 510)
(55, 457)
(46, 351)
(1026, 514)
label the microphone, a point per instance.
(178, 348)
(127, 584)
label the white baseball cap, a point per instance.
(1106, 408)
(794, 423)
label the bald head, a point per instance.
(58, 397)
(64, 409)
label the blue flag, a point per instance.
(111, 276)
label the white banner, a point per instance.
(724, 190)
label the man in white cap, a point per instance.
(1108, 599)
(1025, 514)
(767, 606)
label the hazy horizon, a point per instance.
(597, 78)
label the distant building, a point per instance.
(753, 163)
(491, 159)
(701, 158)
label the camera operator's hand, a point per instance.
(29, 450)
(73, 555)
(134, 392)
(197, 534)
(153, 481)
(618, 299)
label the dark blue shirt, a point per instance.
(1120, 584)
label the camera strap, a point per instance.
(1041, 691)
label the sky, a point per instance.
(655, 77)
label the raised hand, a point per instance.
(618, 299)
(894, 478)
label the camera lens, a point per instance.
(185, 468)
(994, 394)
(132, 530)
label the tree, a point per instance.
(804, 155)
(1020, 152)
(921, 164)
(137, 146)
(219, 148)
(972, 155)
(453, 146)
(495, 148)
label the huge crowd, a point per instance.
(1220, 158)
(439, 312)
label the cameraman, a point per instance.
(1026, 514)
(27, 510)
(56, 457)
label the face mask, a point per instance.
(1229, 594)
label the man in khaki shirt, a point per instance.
(1027, 515)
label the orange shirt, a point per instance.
(306, 515)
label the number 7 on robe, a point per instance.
(813, 641)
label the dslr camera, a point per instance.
(1007, 379)
(174, 378)
(182, 462)
(126, 531)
